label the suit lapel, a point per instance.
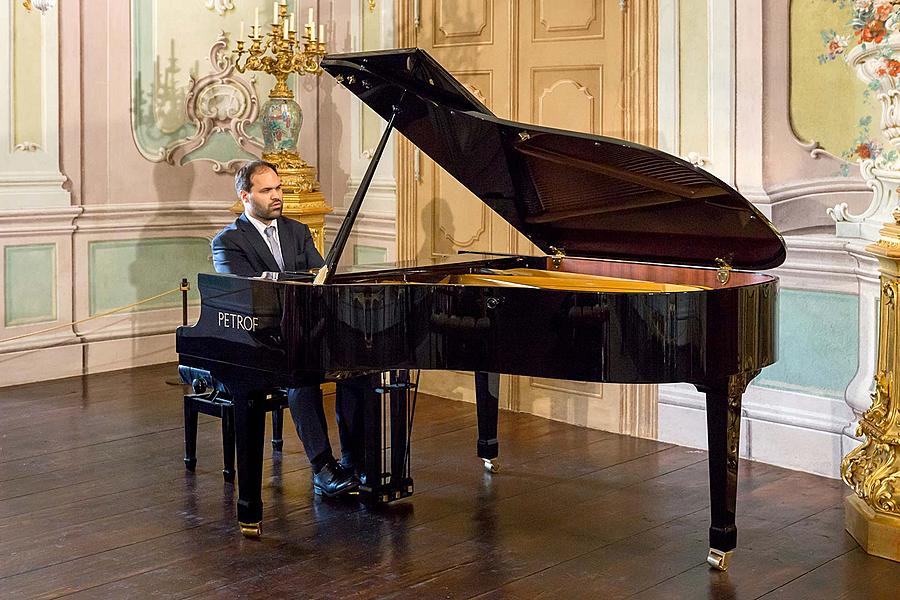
(288, 244)
(256, 242)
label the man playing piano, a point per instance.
(261, 240)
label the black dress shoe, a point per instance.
(352, 468)
(333, 481)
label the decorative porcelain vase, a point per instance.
(281, 120)
(874, 64)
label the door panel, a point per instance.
(559, 63)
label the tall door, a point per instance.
(473, 40)
(560, 63)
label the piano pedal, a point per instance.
(491, 465)
(719, 560)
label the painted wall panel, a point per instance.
(817, 343)
(29, 285)
(694, 77)
(125, 271)
(27, 67)
(828, 101)
(365, 255)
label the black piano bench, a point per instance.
(210, 398)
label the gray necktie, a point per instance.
(274, 246)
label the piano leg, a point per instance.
(723, 428)
(487, 398)
(373, 457)
(383, 486)
(401, 482)
(250, 428)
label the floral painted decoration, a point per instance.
(835, 44)
(872, 22)
(866, 148)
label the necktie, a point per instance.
(274, 246)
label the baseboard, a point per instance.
(127, 353)
(72, 360)
(789, 429)
(41, 364)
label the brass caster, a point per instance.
(718, 559)
(491, 466)
(249, 530)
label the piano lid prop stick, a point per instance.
(340, 240)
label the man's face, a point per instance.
(263, 201)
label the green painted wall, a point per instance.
(122, 272)
(818, 343)
(367, 255)
(29, 285)
(828, 100)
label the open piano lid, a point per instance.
(586, 195)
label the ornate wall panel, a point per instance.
(571, 65)
(186, 95)
(459, 220)
(568, 98)
(463, 22)
(583, 19)
(479, 83)
(817, 73)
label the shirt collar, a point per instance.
(260, 226)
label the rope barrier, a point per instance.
(92, 317)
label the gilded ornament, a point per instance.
(872, 469)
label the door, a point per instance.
(560, 63)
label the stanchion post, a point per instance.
(185, 288)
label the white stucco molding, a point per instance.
(789, 179)
(29, 171)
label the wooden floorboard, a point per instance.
(95, 503)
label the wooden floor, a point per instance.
(95, 503)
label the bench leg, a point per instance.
(190, 434)
(228, 443)
(277, 429)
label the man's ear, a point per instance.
(244, 196)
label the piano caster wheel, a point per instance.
(228, 476)
(249, 530)
(277, 445)
(718, 559)
(491, 466)
(190, 464)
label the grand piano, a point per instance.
(648, 276)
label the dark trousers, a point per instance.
(309, 419)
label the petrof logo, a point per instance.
(236, 321)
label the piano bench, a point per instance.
(217, 403)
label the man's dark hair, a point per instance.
(242, 178)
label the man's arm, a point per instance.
(230, 258)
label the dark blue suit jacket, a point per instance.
(240, 250)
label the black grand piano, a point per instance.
(647, 278)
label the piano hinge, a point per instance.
(558, 254)
(724, 272)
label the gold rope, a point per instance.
(97, 316)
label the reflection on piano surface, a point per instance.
(639, 286)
